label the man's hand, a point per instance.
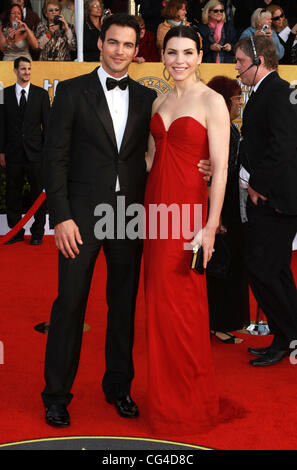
(2, 160)
(255, 196)
(204, 167)
(67, 237)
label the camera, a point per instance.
(57, 21)
(14, 25)
(264, 28)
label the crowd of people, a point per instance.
(219, 25)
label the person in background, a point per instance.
(23, 124)
(286, 35)
(228, 293)
(92, 27)
(268, 154)
(16, 37)
(175, 12)
(30, 17)
(147, 51)
(150, 10)
(68, 12)
(56, 39)
(218, 35)
(262, 19)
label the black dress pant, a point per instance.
(270, 235)
(123, 260)
(15, 173)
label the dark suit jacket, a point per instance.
(81, 155)
(269, 147)
(17, 136)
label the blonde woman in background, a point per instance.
(261, 25)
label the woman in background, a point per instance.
(259, 19)
(56, 40)
(92, 27)
(175, 12)
(16, 37)
(218, 35)
(227, 286)
(286, 35)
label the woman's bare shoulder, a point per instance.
(158, 102)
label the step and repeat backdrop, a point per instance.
(48, 74)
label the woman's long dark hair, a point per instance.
(183, 32)
(6, 19)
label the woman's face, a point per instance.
(236, 104)
(264, 20)
(95, 9)
(15, 15)
(51, 11)
(181, 13)
(216, 13)
(181, 58)
(278, 20)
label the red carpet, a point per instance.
(259, 406)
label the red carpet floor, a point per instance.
(258, 404)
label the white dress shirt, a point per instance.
(118, 104)
(18, 91)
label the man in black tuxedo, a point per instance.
(94, 153)
(24, 116)
(268, 153)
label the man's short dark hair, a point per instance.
(264, 47)
(120, 19)
(20, 59)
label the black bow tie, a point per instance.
(111, 83)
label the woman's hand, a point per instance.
(227, 47)
(216, 47)
(64, 23)
(206, 238)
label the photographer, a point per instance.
(15, 36)
(56, 38)
(261, 26)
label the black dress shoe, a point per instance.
(57, 415)
(36, 241)
(258, 351)
(271, 357)
(16, 238)
(125, 406)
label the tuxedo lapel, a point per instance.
(96, 98)
(133, 114)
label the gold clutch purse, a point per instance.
(197, 259)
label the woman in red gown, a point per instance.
(189, 123)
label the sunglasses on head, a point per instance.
(218, 10)
(276, 18)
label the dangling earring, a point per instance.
(198, 73)
(165, 70)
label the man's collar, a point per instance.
(255, 88)
(103, 75)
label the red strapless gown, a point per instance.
(181, 396)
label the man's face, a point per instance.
(23, 73)
(118, 49)
(242, 63)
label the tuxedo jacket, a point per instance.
(81, 154)
(268, 150)
(17, 136)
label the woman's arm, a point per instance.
(30, 35)
(218, 129)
